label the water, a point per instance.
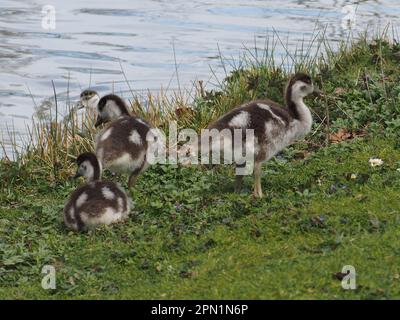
(94, 39)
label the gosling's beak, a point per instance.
(317, 91)
(77, 175)
(99, 121)
(79, 105)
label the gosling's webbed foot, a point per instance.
(258, 193)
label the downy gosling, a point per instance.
(96, 202)
(275, 126)
(123, 144)
(88, 101)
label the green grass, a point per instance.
(190, 236)
(194, 239)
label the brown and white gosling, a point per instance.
(275, 126)
(88, 99)
(79, 118)
(123, 144)
(96, 202)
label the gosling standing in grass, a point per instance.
(275, 126)
(88, 102)
(96, 202)
(122, 145)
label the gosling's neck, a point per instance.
(95, 174)
(298, 109)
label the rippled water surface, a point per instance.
(93, 40)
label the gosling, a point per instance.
(124, 144)
(275, 126)
(82, 120)
(96, 202)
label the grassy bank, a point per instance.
(191, 236)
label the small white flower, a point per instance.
(375, 162)
(353, 176)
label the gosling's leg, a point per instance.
(134, 175)
(132, 179)
(257, 180)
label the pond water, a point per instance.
(93, 41)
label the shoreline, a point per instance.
(189, 236)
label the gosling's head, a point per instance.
(109, 108)
(88, 167)
(88, 99)
(299, 86)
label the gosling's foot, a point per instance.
(258, 193)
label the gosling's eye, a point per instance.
(303, 88)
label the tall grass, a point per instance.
(258, 73)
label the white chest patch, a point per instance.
(107, 193)
(108, 216)
(241, 120)
(106, 134)
(125, 163)
(81, 199)
(135, 138)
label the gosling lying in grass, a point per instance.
(96, 202)
(85, 110)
